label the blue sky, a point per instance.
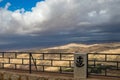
(18, 4)
(36, 23)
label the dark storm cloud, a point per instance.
(49, 23)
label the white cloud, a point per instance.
(7, 5)
(57, 16)
(92, 14)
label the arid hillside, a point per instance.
(84, 48)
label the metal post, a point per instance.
(87, 64)
(30, 54)
(105, 57)
(60, 56)
(3, 58)
(94, 63)
(105, 68)
(15, 55)
(15, 66)
(22, 61)
(60, 69)
(117, 65)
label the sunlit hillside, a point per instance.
(84, 48)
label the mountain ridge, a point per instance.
(86, 48)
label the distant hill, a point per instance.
(84, 48)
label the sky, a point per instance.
(28, 24)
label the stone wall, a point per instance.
(6, 75)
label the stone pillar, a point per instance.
(80, 66)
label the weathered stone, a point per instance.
(1, 76)
(24, 77)
(80, 66)
(33, 78)
(6, 76)
(51, 78)
(15, 77)
(43, 78)
(60, 79)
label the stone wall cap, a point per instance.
(81, 53)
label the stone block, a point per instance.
(1, 75)
(6, 76)
(15, 77)
(23, 78)
(80, 66)
(33, 78)
(43, 78)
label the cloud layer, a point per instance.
(85, 19)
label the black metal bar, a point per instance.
(87, 65)
(2, 54)
(105, 53)
(30, 68)
(60, 69)
(2, 65)
(105, 71)
(9, 60)
(22, 61)
(117, 65)
(51, 62)
(3, 57)
(43, 55)
(105, 57)
(36, 53)
(69, 63)
(60, 56)
(34, 61)
(15, 66)
(94, 63)
(15, 55)
(43, 68)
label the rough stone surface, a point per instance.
(1, 76)
(23, 77)
(80, 72)
(6, 76)
(43, 78)
(33, 78)
(15, 77)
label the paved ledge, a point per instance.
(24, 75)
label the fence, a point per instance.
(104, 64)
(45, 62)
(98, 63)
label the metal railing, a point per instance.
(30, 61)
(104, 64)
(98, 63)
